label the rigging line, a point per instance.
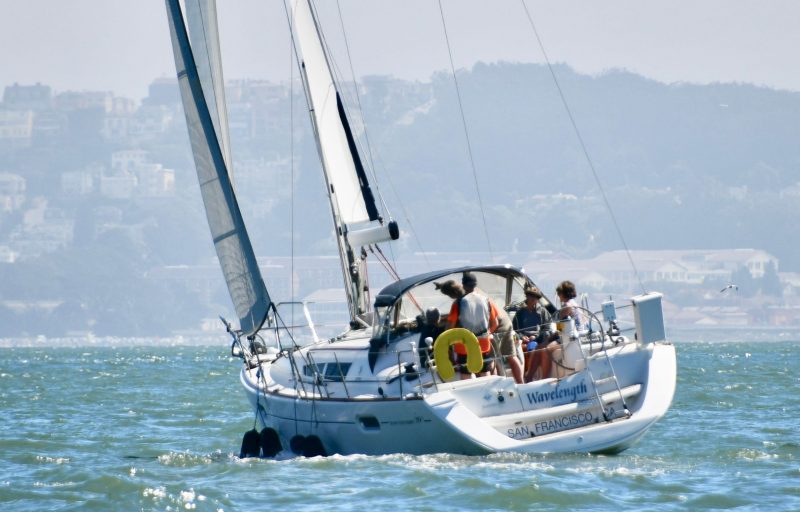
(291, 163)
(393, 264)
(360, 109)
(383, 261)
(295, 54)
(583, 147)
(466, 134)
(388, 266)
(405, 215)
(394, 259)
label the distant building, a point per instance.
(116, 127)
(149, 123)
(154, 180)
(43, 230)
(132, 174)
(690, 267)
(12, 192)
(80, 100)
(122, 106)
(756, 261)
(127, 159)
(256, 107)
(163, 91)
(28, 97)
(77, 183)
(49, 125)
(119, 186)
(16, 128)
(117, 121)
(790, 282)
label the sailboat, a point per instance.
(382, 386)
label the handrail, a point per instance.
(341, 375)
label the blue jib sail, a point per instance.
(235, 252)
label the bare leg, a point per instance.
(516, 368)
(547, 358)
(536, 361)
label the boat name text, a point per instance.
(559, 394)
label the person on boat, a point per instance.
(543, 356)
(503, 335)
(472, 312)
(527, 324)
(430, 328)
(533, 315)
(569, 307)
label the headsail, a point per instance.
(355, 213)
(201, 17)
(235, 252)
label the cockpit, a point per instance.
(401, 306)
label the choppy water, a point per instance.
(151, 428)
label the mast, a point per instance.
(356, 219)
(231, 241)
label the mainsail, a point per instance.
(356, 218)
(235, 252)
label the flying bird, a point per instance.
(730, 287)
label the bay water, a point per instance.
(149, 427)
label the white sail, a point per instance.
(355, 214)
(201, 17)
(340, 158)
(235, 252)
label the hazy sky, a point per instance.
(122, 45)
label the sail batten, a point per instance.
(231, 241)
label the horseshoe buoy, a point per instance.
(442, 356)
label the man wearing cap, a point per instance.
(526, 323)
(499, 323)
(470, 311)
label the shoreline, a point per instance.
(676, 335)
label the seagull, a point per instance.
(730, 287)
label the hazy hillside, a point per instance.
(684, 166)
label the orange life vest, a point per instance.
(484, 342)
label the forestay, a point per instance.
(235, 252)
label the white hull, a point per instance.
(469, 417)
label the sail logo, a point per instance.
(559, 395)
